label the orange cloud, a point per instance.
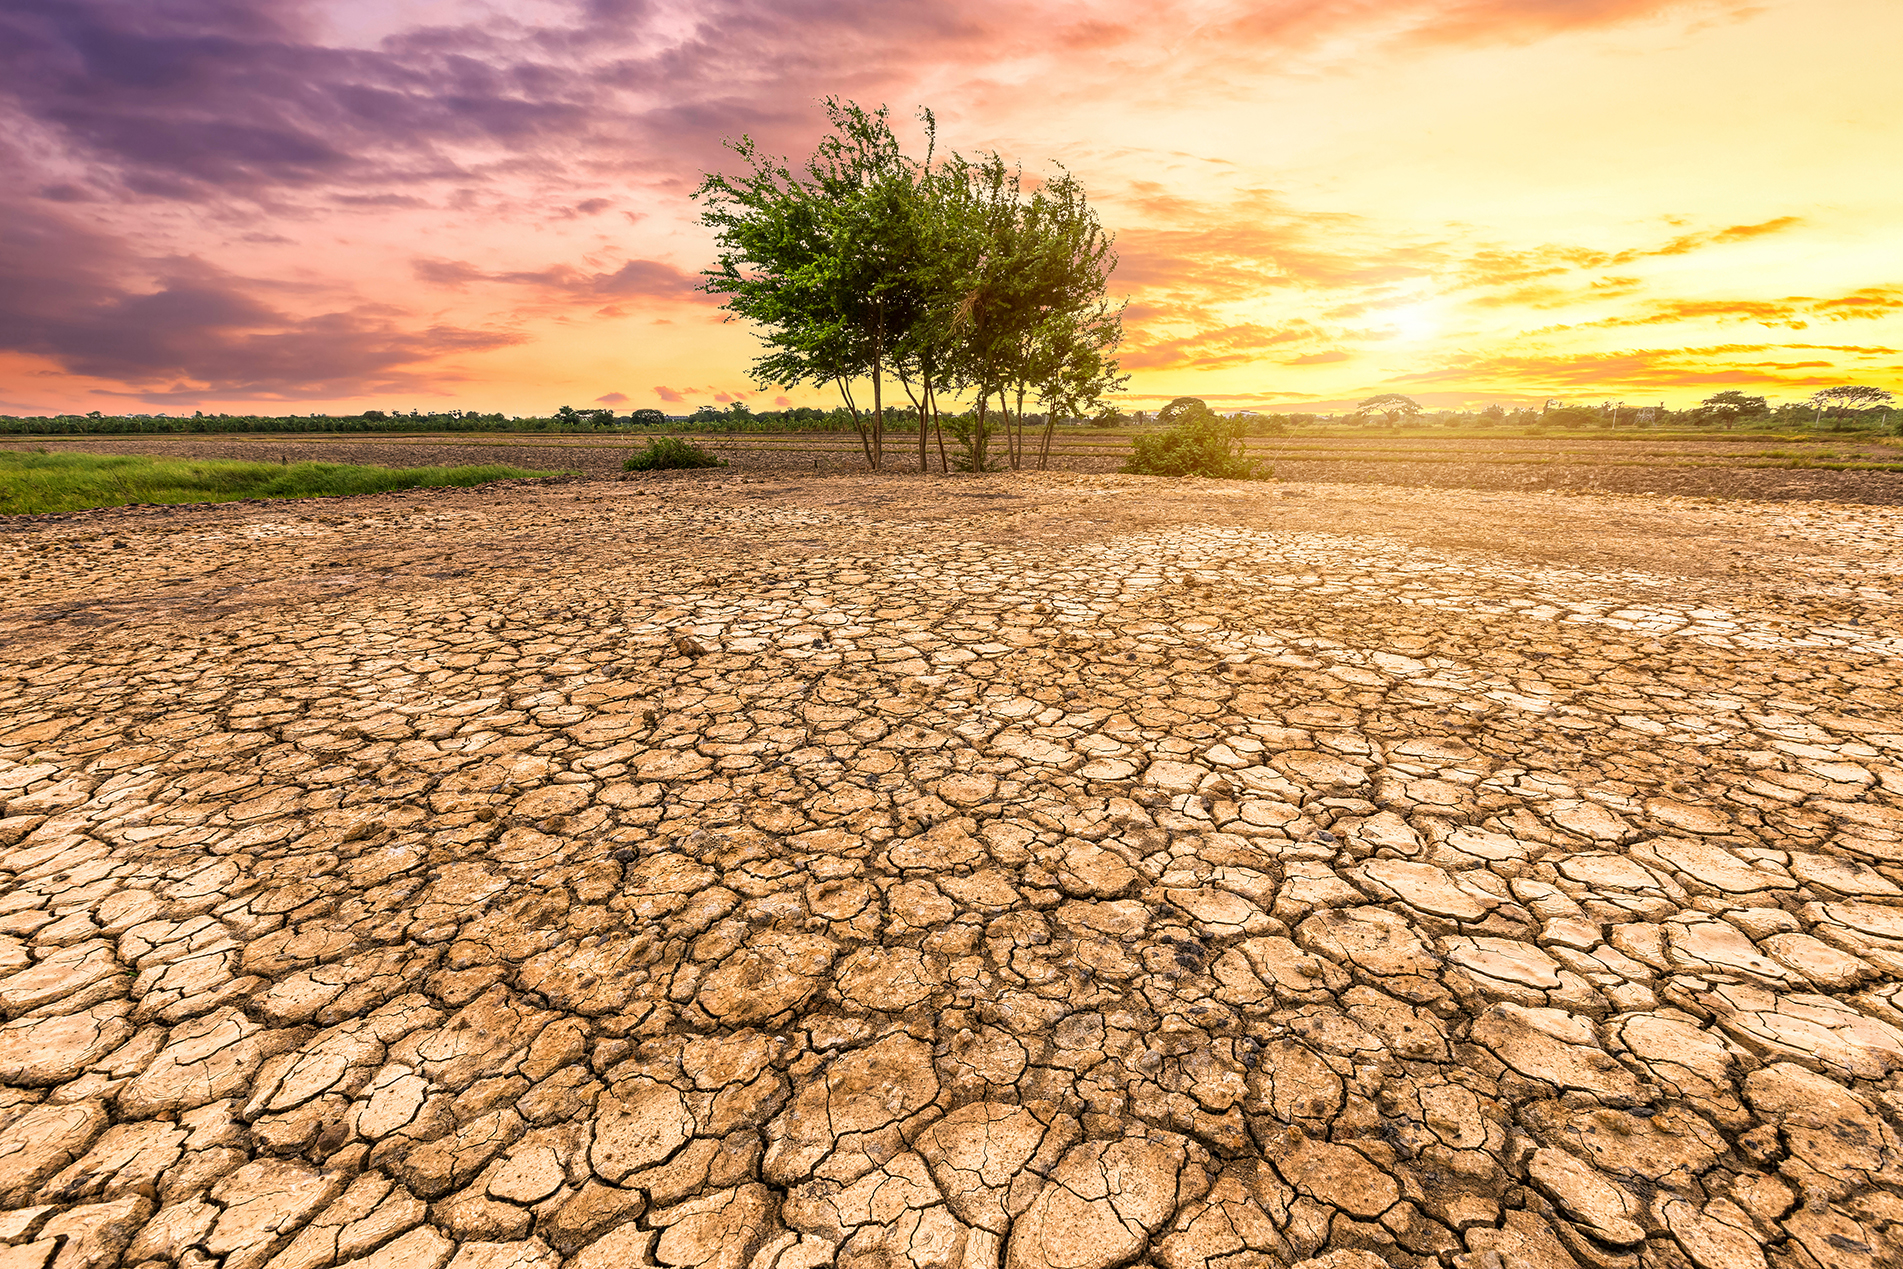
(647, 279)
(1214, 349)
(1689, 243)
(1631, 368)
(1794, 311)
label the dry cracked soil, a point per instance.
(1053, 872)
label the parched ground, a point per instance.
(1049, 872)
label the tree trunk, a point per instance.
(920, 401)
(1044, 451)
(924, 397)
(865, 442)
(878, 404)
(1017, 444)
(938, 430)
(1010, 441)
(978, 437)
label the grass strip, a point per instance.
(43, 484)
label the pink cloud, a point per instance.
(179, 329)
(648, 279)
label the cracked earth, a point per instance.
(1023, 872)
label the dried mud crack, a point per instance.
(1057, 872)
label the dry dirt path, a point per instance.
(1011, 872)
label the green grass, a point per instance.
(33, 483)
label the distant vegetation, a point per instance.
(670, 453)
(735, 418)
(39, 483)
(1849, 408)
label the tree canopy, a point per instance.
(955, 276)
(1391, 406)
(1733, 402)
(1850, 396)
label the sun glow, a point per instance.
(1418, 321)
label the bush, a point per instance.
(1200, 442)
(670, 453)
(974, 441)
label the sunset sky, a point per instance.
(268, 205)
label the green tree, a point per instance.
(1181, 408)
(807, 258)
(1731, 406)
(568, 416)
(1847, 397)
(1066, 357)
(1391, 406)
(1075, 366)
(990, 276)
(940, 250)
(948, 275)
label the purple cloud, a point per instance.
(647, 279)
(194, 330)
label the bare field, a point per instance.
(770, 871)
(1754, 468)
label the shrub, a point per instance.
(1199, 442)
(974, 441)
(670, 453)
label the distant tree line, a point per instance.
(1846, 407)
(97, 424)
(562, 420)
